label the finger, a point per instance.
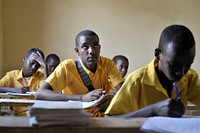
(39, 53)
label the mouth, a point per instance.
(92, 59)
(123, 74)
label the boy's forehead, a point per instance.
(186, 56)
(88, 39)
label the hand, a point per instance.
(38, 57)
(176, 108)
(23, 89)
(169, 107)
(91, 96)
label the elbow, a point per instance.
(39, 95)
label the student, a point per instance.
(52, 61)
(26, 79)
(154, 82)
(66, 76)
(122, 64)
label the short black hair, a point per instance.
(35, 50)
(119, 57)
(52, 56)
(85, 33)
(180, 35)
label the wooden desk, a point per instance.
(13, 99)
(16, 102)
(97, 125)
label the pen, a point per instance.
(176, 91)
(20, 82)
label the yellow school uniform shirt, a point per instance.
(66, 77)
(143, 88)
(11, 80)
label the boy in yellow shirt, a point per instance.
(26, 79)
(52, 61)
(66, 77)
(168, 76)
(122, 64)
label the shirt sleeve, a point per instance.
(194, 88)
(125, 100)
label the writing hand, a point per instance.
(169, 107)
(91, 96)
(23, 89)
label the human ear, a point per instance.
(24, 59)
(76, 49)
(157, 53)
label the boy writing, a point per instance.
(27, 79)
(154, 82)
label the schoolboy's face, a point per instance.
(175, 64)
(89, 51)
(52, 64)
(30, 66)
(122, 65)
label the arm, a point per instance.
(45, 92)
(168, 107)
(22, 89)
(117, 87)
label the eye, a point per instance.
(85, 47)
(172, 64)
(120, 67)
(96, 45)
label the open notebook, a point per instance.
(172, 125)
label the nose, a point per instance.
(123, 69)
(33, 66)
(91, 50)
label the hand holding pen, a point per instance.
(176, 107)
(23, 89)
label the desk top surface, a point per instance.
(97, 125)
(12, 121)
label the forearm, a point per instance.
(144, 112)
(50, 95)
(46, 72)
(8, 89)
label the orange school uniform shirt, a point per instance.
(11, 80)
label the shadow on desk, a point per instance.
(97, 125)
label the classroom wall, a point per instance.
(1, 39)
(129, 27)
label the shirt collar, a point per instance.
(99, 65)
(150, 76)
(34, 76)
